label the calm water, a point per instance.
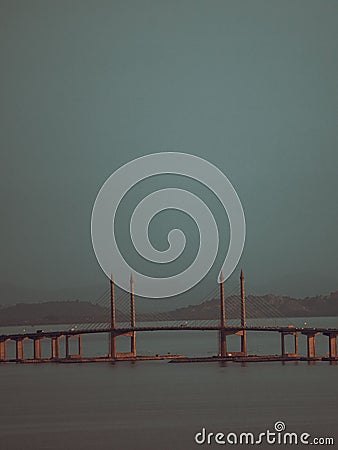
(160, 406)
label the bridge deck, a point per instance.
(51, 334)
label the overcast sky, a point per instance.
(250, 86)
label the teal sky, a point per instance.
(250, 86)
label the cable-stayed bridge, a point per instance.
(226, 310)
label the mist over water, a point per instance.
(157, 405)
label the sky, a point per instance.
(251, 86)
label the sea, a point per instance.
(158, 405)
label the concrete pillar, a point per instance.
(133, 344)
(67, 346)
(311, 346)
(282, 337)
(243, 315)
(296, 343)
(132, 317)
(295, 352)
(222, 335)
(223, 343)
(243, 343)
(80, 345)
(55, 347)
(333, 345)
(3, 351)
(112, 349)
(37, 348)
(19, 349)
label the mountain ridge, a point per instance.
(71, 312)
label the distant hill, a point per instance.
(51, 313)
(265, 306)
(71, 312)
(294, 284)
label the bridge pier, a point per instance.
(37, 348)
(243, 343)
(113, 348)
(332, 344)
(19, 349)
(3, 350)
(133, 344)
(79, 347)
(222, 343)
(311, 346)
(55, 349)
(311, 343)
(283, 352)
(296, 344)
(67, 346)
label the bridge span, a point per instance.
(114, 331)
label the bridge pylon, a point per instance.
(243, 315)
(114, 333)
(222, 334)
(112, 342)
(132, 317)
(3, 350)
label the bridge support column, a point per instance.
(37, 348)
(55, 348)
(67, 346)
(113, 348)
(311, 346)
(19, 349)
(133, 344)
(79, 345)
(282, 336)
(311, 343)
(296, 343)
(243, 343)
(332, 344)
(3, 351)
(222, 343)
(282, 340)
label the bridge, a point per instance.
(231, 308)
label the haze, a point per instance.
(250, 86)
